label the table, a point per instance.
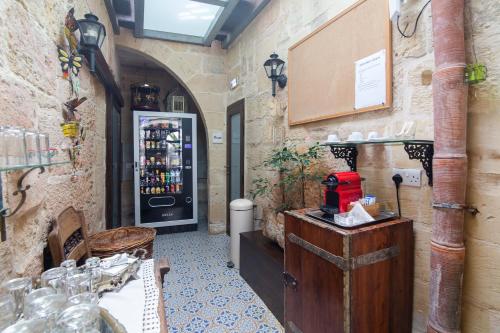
(347, 280)
(128, 305)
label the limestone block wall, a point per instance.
(32, 93)
(202, 72)
(284, 22)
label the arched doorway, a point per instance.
(136, 67)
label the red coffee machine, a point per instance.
(342, 188)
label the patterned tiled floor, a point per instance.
(202, 295)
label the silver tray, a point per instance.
(115, 282)
(327, 218)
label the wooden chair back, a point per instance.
(69, 238)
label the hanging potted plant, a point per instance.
(70, 129)
(295, 168)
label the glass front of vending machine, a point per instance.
(165, 169)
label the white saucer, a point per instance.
(352, 140)
(332, 142)
(380, 139)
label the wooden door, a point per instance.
(316, 303)
(113, 162)
(235, 155)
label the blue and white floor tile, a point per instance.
(202, 295)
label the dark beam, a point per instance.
(112, 16)
(139, 18)
(125, 19)
(239, 29)
(105, 76)
(219, 21)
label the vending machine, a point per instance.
(165, 169)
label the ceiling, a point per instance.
(188, 21)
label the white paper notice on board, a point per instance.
(370, 89)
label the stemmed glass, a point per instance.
(7, 311)
(15, 146)
(93, 268)
(78, 284)
(55, 278)
(32, 142)
(27, 326)
(18, 289)
(81, 318)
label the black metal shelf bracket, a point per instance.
(348, 153)
(21, 189)
(424, 152)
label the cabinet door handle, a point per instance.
(289, 280)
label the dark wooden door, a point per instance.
(113, 163)
(235, 154)
(316, 304)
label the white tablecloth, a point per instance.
(128, 305)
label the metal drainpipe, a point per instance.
(449, 166)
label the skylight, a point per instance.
(184, 17)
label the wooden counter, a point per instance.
(348, 280)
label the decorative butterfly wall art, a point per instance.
(70, 62)
(70, 114)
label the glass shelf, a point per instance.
(422, 150)
(379, 142)
(23, 167)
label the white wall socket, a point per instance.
(411, 177)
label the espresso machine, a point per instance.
(341, 188)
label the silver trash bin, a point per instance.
(241, 219)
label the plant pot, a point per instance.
(71, 129)
(274, 226)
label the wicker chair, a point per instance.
(69, 239)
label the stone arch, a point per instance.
(172, 73)
(200, 71)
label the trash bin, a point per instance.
(241, 219)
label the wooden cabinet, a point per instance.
(339, 280)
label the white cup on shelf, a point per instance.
(373, 135)
(355, 136)
(332, 138)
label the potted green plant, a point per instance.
(295, 167)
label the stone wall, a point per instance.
(284, 22)
(32, 93)
(201, 70)
(160, 78)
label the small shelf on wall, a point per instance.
(36, 166)
(21, 189)
(422, 150)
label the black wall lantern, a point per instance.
(274, 69)
(92, 34)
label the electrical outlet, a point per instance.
(411, 177)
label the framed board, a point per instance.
(321, 66)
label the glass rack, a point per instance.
(382, 142)
(36, 166)
(422, 150)
(21, 189)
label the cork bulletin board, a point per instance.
(321, 66)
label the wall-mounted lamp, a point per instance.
(92, 34)
(274, 69)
